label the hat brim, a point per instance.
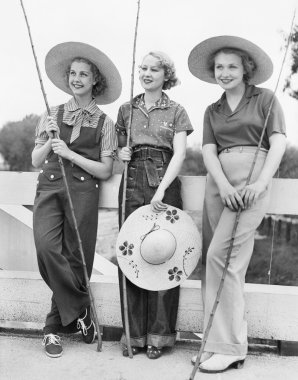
(198, 60)
(179, 266)
(61, 56)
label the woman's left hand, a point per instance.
(252, 192)
(59, 147)
(156, 202)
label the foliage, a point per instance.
(290, 85)
(193, 163)
(289, 164)
(17, 142)
(284, 262)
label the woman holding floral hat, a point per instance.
(158, 144)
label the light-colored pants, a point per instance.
(228, 334)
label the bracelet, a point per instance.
(72, 158)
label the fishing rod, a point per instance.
(235, 226)
(86, 278)
(125, 305)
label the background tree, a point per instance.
(17, 142)
(289, 164)
(291, 85)
(193, 163)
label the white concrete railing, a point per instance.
(272, 311)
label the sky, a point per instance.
(172, 26)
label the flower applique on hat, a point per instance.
(158, 251)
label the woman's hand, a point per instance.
(230, 197)
(125, 154)
(156, 202)
(252, 192)
(59, 147)
(52, 127)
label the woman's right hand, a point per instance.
(52, 127)
(125, 154)
(230, 197)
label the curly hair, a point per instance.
(169, 68)
(248, 63)
(100, 85)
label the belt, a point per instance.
(146, 152)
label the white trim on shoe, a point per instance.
(52, 339)
(84, 329)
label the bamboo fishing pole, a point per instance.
(235, 226)
(86, 278)
(125, 304)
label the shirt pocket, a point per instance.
(166, 130)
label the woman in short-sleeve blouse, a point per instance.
(232, 130)
(158, 145)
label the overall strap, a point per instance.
(100, 123)
(60, 115)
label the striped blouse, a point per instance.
(77, 117)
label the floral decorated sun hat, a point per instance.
(158, 251)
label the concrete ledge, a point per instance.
(272, 311)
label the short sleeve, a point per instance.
(120, 124)
(41, 135)
(182, 121)
(108, 141)
(208, 134)
(276, 120)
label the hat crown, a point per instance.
(158, 247)
(158, 251)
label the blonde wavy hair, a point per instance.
(168, 65)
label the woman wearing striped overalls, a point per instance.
(232, 130)
(87, 143)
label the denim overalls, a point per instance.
(152, 315)
(56, 243)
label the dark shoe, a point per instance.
(87, 326)
(135, 350)
(153, 352)
(52, 344)
(220, 363)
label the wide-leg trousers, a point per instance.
(152, 314)
(228, 334)
(58, 255)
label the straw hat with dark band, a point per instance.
(61, 56)
(158, 251)
(198, 60)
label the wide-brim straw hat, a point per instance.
(158, 251)
(199, 58)
(61, 56)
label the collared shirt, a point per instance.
(244, 125)
(78, 118)
(156, 126)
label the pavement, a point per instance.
(22, 357)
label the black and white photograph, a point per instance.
(149, 190)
